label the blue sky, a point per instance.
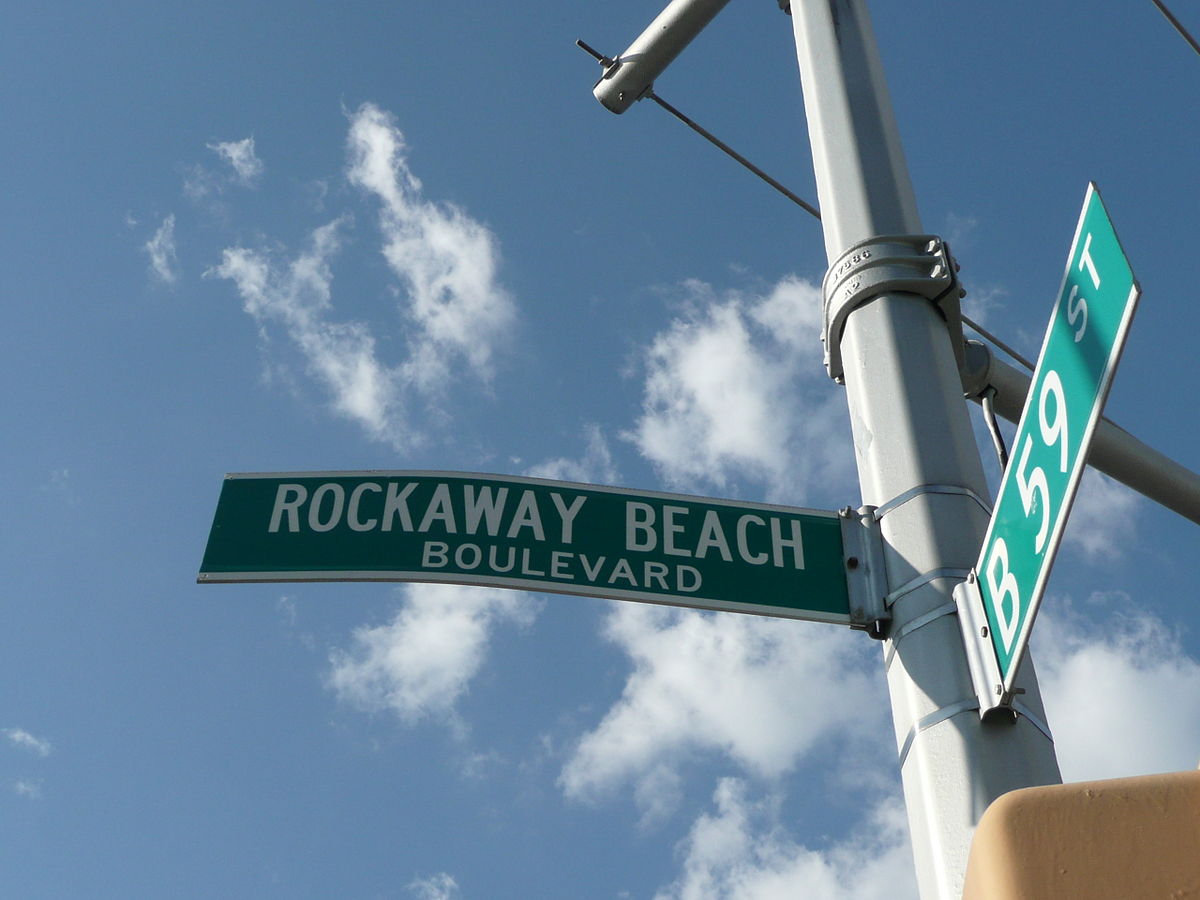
(263, 237)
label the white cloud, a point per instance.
(446, 260)
(24, 787)
(721, 683)
(161, 250)
(436, 887)
(240, 155)
(960, 230)
(341, 355)
(735, 387)
(979, 305)
(59, 485)
(1119, 690)
(1103, 518)
(21, 738)
(595, 467)
(420, 663)
(455, 309)
(741, 851)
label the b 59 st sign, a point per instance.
(1070, 383)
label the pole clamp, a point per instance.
(908, 263)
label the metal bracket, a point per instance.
(912, 264)
(981, 657)
(866, 576)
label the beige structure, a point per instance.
(1124, 839)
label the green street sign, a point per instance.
(1083, 343)
(538, 535)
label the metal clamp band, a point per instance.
(923, 579)
(935, 718)
(921, 489)
(946, 609)
(1019, 707)
(912, 264)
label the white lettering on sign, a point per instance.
(639, 517)
(352, 512)
(396, 504)
(778, 542)
(567, 513)
(712, 535)
(468, 556)
(435, 555)
(439, 510)
(335, 513)
(1077, 307)
(1085, 259)
(484, 506)
(672, 528)
(563, 565)
(642, 534)
(527, 515)
(288, 499)
(543, 517)
(1003, 584)
(755, 559)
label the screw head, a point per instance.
(852, 562)
(983, 632)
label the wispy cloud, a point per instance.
(59, 485)
(19, 737)
(596, 466)
(454, 311)
(420, 664)
(296, 295)
(719, 684)
(446, 260)
(25, 787)
(735, 388)
(247, 167)
(1103, 517)
(161, 250)
(743, 850)
(1114, 681)
(436, 887)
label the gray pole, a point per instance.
(917, 462)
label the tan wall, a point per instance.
(1123, 839)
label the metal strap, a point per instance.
(948, 712)
(1037, 723)
(921, 580)
(947, 609)
(920, 489)
(934, 718)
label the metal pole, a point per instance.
(917, 462)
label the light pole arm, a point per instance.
(1115, 451)
(627, 78)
